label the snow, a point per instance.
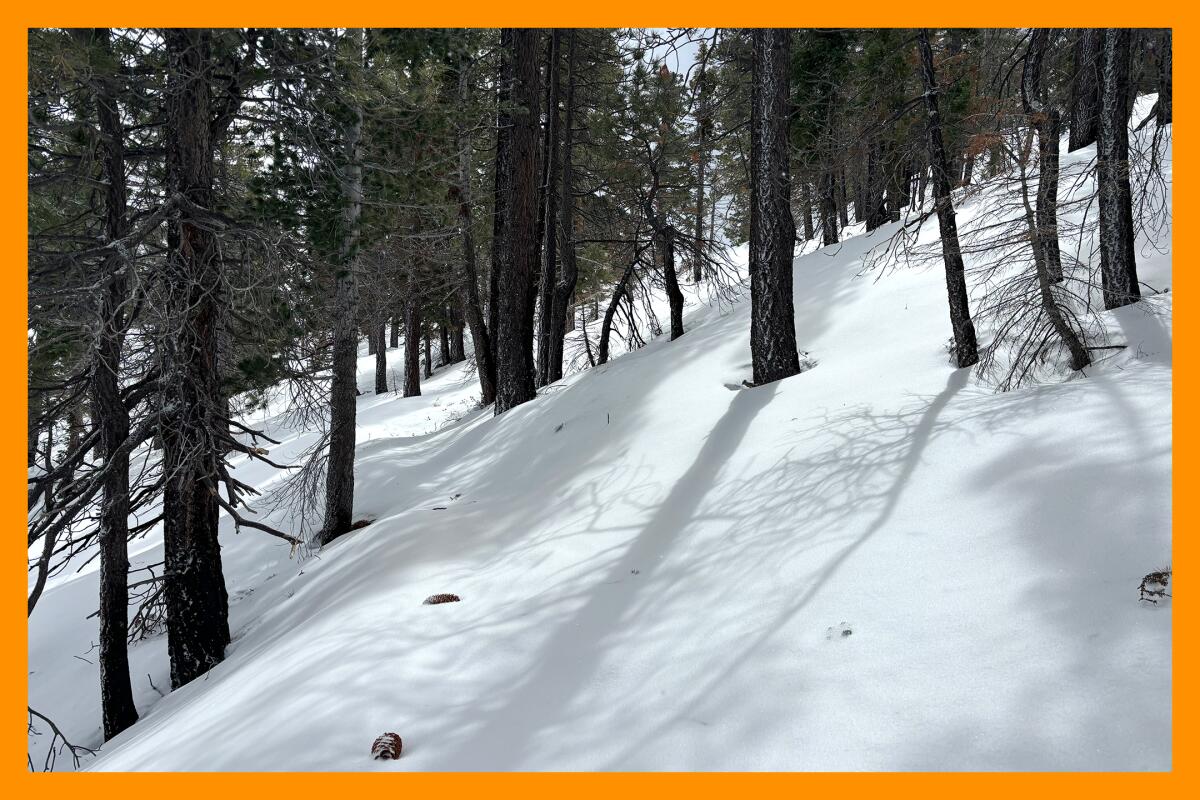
(658, 567)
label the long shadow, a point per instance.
(570, 655)
(921, 435)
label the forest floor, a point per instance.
(879, 564)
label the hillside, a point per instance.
(879, 564)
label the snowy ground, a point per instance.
(879, 564)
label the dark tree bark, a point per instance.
(343, 392)
(444, 341)
(197, 604)
(806, 210)
(502, 174)
(111, 417)
(551, 186)
(457, 343)
(1164, 104)
(829, 230)
(772, 229)
(468, 282)
(428, 353)
(380, 359)
(966, 349)
(412, 344)
(372, 342)
(620, 291)
(1043, 222)
(1118, 261)
(671, 280)
(860, 192)
(1045, 121)
(514, 327)
(876, 208)
(842, 202)
(565, 286)
(394, 332)
(1085, 87)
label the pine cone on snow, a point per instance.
(387, 747)
(435, 599)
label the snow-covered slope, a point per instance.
(877, 564)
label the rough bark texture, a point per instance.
(394, 332)
(196, 601)
(111, 417)
(468, 281)
(551, 185)
(514, 326)
(772, 229)
(412, 345)
(565, 287)
(829, 230)
(1085, 87)
(457, 342)
(1058, 319)
(1164, 104)
(502, 173)
(443, 343)
(1046, 123)
(966, 350)
(343, 393)
(1118, 261)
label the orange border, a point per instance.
(612, 13)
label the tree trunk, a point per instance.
(619, 291)
(1164, 77)
(806, 210)
(772, 229)
(1118, 261)
(966, 350)
(457, 343)
(842, 202)
(197, 604)
(671, 279)
(428, 353)
(343, 392)
(1058, 320)
(565, 287)
(1085, 87)
(468, 281)
(1043, 223)
(444, 341)
(502, 174)
(394, 334)
(380, 359)
(514, 368)
(1046, 123)
(110, 415)
(551, 186)
(829, 231)
(412, 344)
(876, 210)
